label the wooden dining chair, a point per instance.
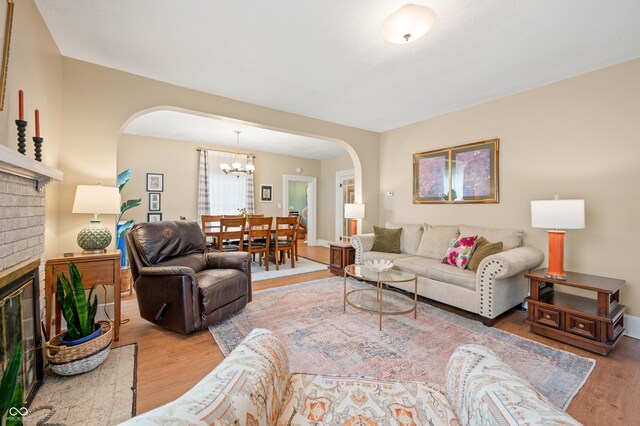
(259, 238)
(282, 239)
(211, 228)
(231, 235)
(296, 237)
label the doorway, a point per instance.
(299, 197)
(345, 194)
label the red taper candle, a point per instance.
(21, 104)
(37, 124)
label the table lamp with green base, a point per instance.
(96, 199)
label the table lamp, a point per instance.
(555, 215)
(95, 199)
(354, 211)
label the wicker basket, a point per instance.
(125, 280)
(69, 360)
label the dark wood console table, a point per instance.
(596, 325)
(341, 254)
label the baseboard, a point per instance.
(323, 243)
(632, 324)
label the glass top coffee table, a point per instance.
(378, 299)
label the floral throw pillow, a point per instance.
(460, 251)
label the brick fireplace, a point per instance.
(22, 236)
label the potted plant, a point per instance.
(78, 310)
(121, 228)
(11, 390)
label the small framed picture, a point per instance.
(154, 201)
(154, 217)
(266, 193)
(155, 182)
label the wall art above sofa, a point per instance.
(459, 174)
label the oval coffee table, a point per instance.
(378, 299)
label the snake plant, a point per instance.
(10, 389)
(78, 310)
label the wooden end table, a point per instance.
(341, 254)
(596, 325)
(101, 268)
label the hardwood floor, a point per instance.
(169, 363)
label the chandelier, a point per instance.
(236, 167)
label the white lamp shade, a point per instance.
(354, 211)
(410, 20)
(96, 199)
(557, 214)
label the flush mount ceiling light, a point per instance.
(407, 24)
(236, 167)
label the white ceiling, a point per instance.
(326, 59)
(194, 128)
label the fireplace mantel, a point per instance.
(12, 162)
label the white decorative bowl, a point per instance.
(378, 265)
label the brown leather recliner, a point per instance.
(178, 285)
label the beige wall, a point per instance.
(99, 101)
(35, 66)
(579, 138)
(178, 160)
(328, 194)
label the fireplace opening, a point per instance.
(20, 322)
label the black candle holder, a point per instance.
(37, 141)
(22, 132)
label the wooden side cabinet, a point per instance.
(341, 254)
(596, 325)
(101, 268)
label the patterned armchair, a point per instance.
(253, 386)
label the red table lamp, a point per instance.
(556, 215)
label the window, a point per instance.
(227, 192)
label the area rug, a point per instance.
(258, 273)
(321, 338)
(104, 396)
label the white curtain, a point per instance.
(203, 185)
(250, 191)
(227, 192)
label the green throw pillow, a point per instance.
(483, 249)
(387, 240)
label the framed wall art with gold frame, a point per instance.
(457, 175)
(6, 11)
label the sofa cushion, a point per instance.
(511, 238)
(386, 240)
(435, 240)
(377, 255)
(452, 275)
(460, 251)
(483, 249)
(219, 287)
(330, 400)
(410, 238)
(416, 264)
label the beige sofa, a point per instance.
(497, 286)
(253, 386)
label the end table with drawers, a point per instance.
(341, 254)
(596, 325)
(101, 268)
